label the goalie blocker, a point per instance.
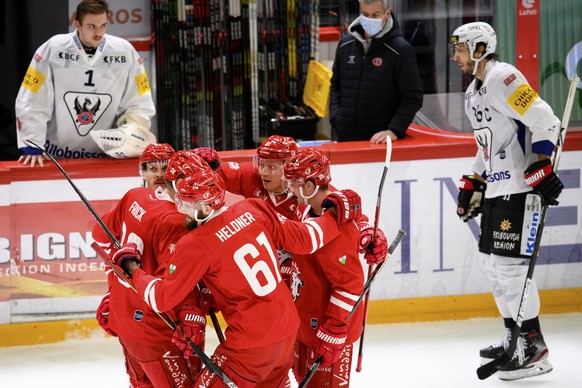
(128, 140)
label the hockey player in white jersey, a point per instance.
(515, 131)
(80, 85)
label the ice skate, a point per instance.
(530, 358)
(497, 349)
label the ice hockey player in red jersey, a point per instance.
(149, 218)
(233, 250)
(325, 284)
(263, 179)
(153, 163)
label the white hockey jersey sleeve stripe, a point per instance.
(150, 294)
(316, 234)
(341, 304)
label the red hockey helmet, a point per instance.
(308, 164)
(203, 186)
(277, 148)
(156, 152)
(184, 163)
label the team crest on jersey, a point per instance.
(171, 269)
(483, 137)
(377, 62)
(86, 109)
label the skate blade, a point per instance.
(536, 369)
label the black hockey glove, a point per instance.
(471, 197)
(541, 176)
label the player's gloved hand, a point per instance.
(210, 156)
(347, 205)
(193, 322)
(206, 300)
(471, 197)
(287, 268)
(541, 176)
(125, 256)
(374, 250)
(329, 343)
(102, 315)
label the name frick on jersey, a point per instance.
(137, 211)
(234, 226)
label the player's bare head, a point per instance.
(91, 21)
(306, 172)
(199, 195)
(182, 164)
(471, 43)
(385, 3)
(153, 163)
(270, 159)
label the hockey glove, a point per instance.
(471, 197)
(374, 251)
(541, 176)
(329, 343)
(192, 321)
(348, 205)
(125, 255)
(102, 315)
(210, 156)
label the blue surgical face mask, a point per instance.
(371, 26)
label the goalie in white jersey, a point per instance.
(516, 132)
(80, 85)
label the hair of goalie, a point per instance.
(128, 140)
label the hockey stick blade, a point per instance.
(399, 236)
(119, 272)
(486, 370)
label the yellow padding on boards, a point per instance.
(440, 308)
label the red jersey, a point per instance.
(243, 179)
(234, 253)
(327, 284)
(149, 219)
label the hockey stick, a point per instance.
(499, 363)
(391, 249)
(119, 272)
(376, 222)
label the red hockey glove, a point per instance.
(102, 315)
(374, 251)
(206, 300)
(125, 255)
(471, 197)
(193, 322)
(348, 205)
(541, 176)
(329, 343)
(210, 156)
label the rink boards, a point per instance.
(48, 272)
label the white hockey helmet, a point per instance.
(472, 34)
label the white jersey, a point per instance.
(66, 93)
(511, 123)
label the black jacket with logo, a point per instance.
(375, 91)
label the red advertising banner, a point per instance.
(527, 40)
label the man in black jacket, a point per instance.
(376, 88)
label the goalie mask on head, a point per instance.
(473, 34)
(128, 140)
